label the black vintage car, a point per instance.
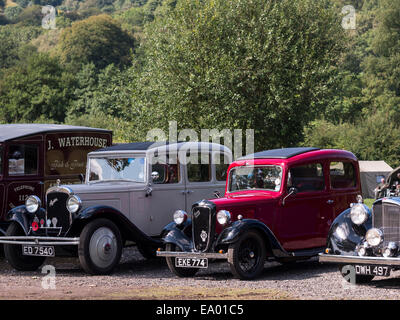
(365, 243)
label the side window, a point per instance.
(221, 167)
(23, 160)
(165, 172)
(307, 178)
(342, 175)
(199, 172)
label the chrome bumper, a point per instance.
(180, 254)
(331, 258)
(34, 241)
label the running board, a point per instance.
(307, 252)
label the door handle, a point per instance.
(330, 202)
(189, 191)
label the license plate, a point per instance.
(40, 251)
(373, 270)
(191, 262)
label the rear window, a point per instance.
(307, 178)
(342, 175)
(198, 171)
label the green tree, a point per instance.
(37, 88)
(259, 64)
(382, 66)
(98, 39)
(12, 38)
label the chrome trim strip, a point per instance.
(331, 258)
(31, 240)
(181, 254)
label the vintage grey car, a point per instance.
(127, 196)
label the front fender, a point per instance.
(21, 216)
(232, 234)
(176, 235)
(344, 235)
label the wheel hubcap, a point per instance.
(103, 247)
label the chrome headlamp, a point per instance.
(32, 204)
(223, 217)
(180, 216)
(374, 237)
(358, 214)
(74, 203)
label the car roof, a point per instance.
(283, 153)
(162, 145)
(14, 131)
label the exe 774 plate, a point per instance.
(191, 263)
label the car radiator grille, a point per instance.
(201, 222)
(58, 219)
(387, 218)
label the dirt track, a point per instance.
(136, 278)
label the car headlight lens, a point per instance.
(223, 217)
(74, 203)
(358, 214)
(180, 217)
(32, 204)
(374, 237)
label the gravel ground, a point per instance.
(137, 278)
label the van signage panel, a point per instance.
(66, 153)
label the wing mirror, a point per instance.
(292, 192)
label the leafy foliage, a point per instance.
(98, 39)
(33, 89)
(267, 65)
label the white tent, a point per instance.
(371, 173)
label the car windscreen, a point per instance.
(106, 169)
(268, 177)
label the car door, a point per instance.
(343, 184)
(168, 193)
(302, 214)
(205, 178)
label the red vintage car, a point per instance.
(278, 204)
(34, 156)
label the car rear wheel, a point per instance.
(248, 256)
(13, 252)
(180, 272)
(355, 278)
(100, 247)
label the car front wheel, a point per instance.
(13, 252)
(100, 247)
(248, 256)
(180, 272)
